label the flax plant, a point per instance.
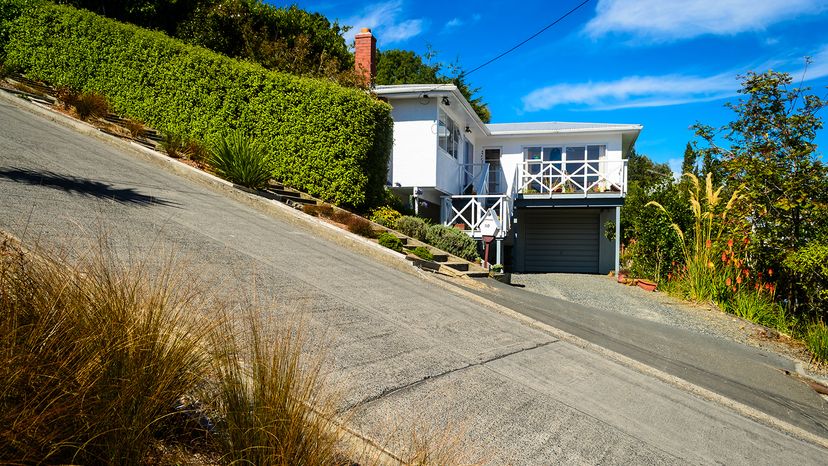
(699, 278)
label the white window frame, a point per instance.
(452, 139)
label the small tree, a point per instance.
(769, 148)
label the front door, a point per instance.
(492, 157)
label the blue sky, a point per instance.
(661, 63)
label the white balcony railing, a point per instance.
(568, 177)
(466, 212)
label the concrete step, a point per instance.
(440, 257)
(461, 266)
(477, 274)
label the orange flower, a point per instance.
(730, 243)
(739, 280)
(757, 286)
(710, 265)
(770, 272)
(724, 257)
(708, 243)
(747, 240)
(746, 272)
(727, 282)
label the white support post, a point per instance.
(617, 240)
(499, 259)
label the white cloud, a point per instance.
(633, 91)
(664, 90)
(386, 21)
(667, 20)
(675, 167)
(818, 67)
(455, 22)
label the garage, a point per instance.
(561, 240)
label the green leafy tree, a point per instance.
(406, 67)
(769, 148)
(641, 169)
(288, 39)
(688, 164)
(651, 246)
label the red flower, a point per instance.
(708, 243)
(770, 272)
(730, 243)
(724, 257)
(747, 240)
(739, 280)
(727, 282)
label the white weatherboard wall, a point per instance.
(414, 161)
(512, 148)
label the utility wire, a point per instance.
(573, 10)
(560, 18)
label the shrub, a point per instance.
(453, 241)
(414, 227)
(360, 226)
(196, 151)
(327, 140)
(754, 306)
(318, 210)
(390, 241)
(240, 160)
(423, 253)
(385, 216)
(135, 128)
(816, 339)
(341, 216)
(92, 357)
(809, 268)
(90, 105)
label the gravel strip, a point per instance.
(605, 293)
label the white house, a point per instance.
(556, 188)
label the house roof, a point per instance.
(557, 127)
(403, 91)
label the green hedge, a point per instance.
(330, 141)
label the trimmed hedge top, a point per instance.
(330, 141)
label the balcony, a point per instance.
(593, 178)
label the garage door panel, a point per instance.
(561, 240)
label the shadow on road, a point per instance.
(82, 186)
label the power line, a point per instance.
(561, 18)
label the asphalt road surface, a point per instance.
(404, 351)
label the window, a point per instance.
(448, 135)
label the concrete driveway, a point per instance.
(405, 350)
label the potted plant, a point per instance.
(646, 285)
(623, 275)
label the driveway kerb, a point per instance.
(393, 259)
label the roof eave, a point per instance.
(627, 129)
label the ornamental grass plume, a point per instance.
(700, 279)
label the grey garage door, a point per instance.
(561, 240)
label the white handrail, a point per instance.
(473, 211)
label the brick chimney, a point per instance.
(365, 55)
